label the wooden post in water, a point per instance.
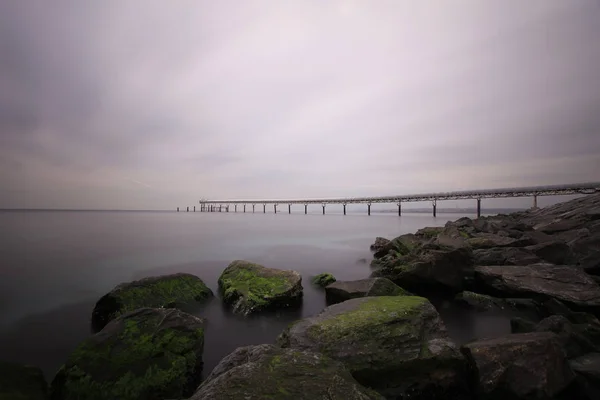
(434, 207)
(399, 208)
(305, 209)
(264, 208)
(289, 208)
(369, 209)
(478, 208)
(344, 209)
(323, 209)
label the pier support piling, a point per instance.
(478, 208)
(305, 209)
(253, 205)
(220, 208)
(323, 209)
(194, 208)
(369, 209)
(275, 208)
(434, 208)
(188, 209)
(399, 208)
(244, 208)
(264, 208)
(535, 201)
(289, 208)
(177, 209)
(235, 208)
(344, 209)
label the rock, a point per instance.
(397, 345)
(518, 366)
(587, 252)
(554, 227)
(553, 252)
(484, 302)
(587, 368)
(249, 288)
(575, 339)
(521, 325)
(361, 261)
(568, 284)
(430, 269)
(269, 372)
(323, 279)
(346, 290)
(146, 354)
(489, 240)
(400, 246)
(380, 247)
(429, 232)
(505, 256)
(22, 382)
(169, 291)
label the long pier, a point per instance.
(478, 195)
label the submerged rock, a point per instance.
(147, 354)
(568, 284)
(518, 366)
(249, 287)
(22, 382)
(346, 290)
(397, 345)
(169, 291)
(269, 372)
(323, 279)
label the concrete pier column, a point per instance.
(306, 209)
(227, 208)
(275, 208)
(323, 209)
(399, 208)
(434, 208)
(369, 209)
(244, 208)
(177, 209)
(220, 207)
(535, 201)
(188, 209)
(344, 209)
(253, 205)
(264, 208)
(478, 208)
(289, 208)
(235, 208)
(194, 208)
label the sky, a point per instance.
(150, 104)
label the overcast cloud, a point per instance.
(153, 104)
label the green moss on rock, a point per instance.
(248, 287)
(323, 279)
(21, 382)
(146, 354)
(169, 291)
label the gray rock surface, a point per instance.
(345, 290)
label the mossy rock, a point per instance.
(323, 279)
(346, 290)
(429, 232)
(397, 345)
(147, 354)
(168, 291)
(269, 372)
(22, 382)
(247, 287)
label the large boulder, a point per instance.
(587, 369)
(269, 372)
(518, 366)
(147, 354)
(489, 240)
(554, 252)
(586, 250)
(380, 247)
(22, 382)
(568, 284)
(345, 290)
(430, 268)
(482, 302)
(169, 291)
(247, 287)
(505, 256)
(575, 339)
(397, 345)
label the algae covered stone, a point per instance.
(396, 345)
(249, 287)
(268, 372)
(147, 354)
(22, 382)
(346, 290)
(169, 291)
(323, 279)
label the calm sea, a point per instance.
(54, 265)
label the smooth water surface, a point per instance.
(54, 265)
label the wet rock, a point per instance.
(346, 290)
(575, 339)
(396, 345)
(323, 279)
(505, 256)
(380, 247)
(553, 252)
(248, 288)
(484, 302)
(430, 269)
(269, 372)
(22, 382)
(147, 354)
(587, 252)
(568, 284)
(587, 369)
(518, 366)
(522, 325)
(170, 291)
(489, 240)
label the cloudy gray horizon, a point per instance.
(154, 104)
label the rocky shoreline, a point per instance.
(379, 338)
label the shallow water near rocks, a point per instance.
(56, 265)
